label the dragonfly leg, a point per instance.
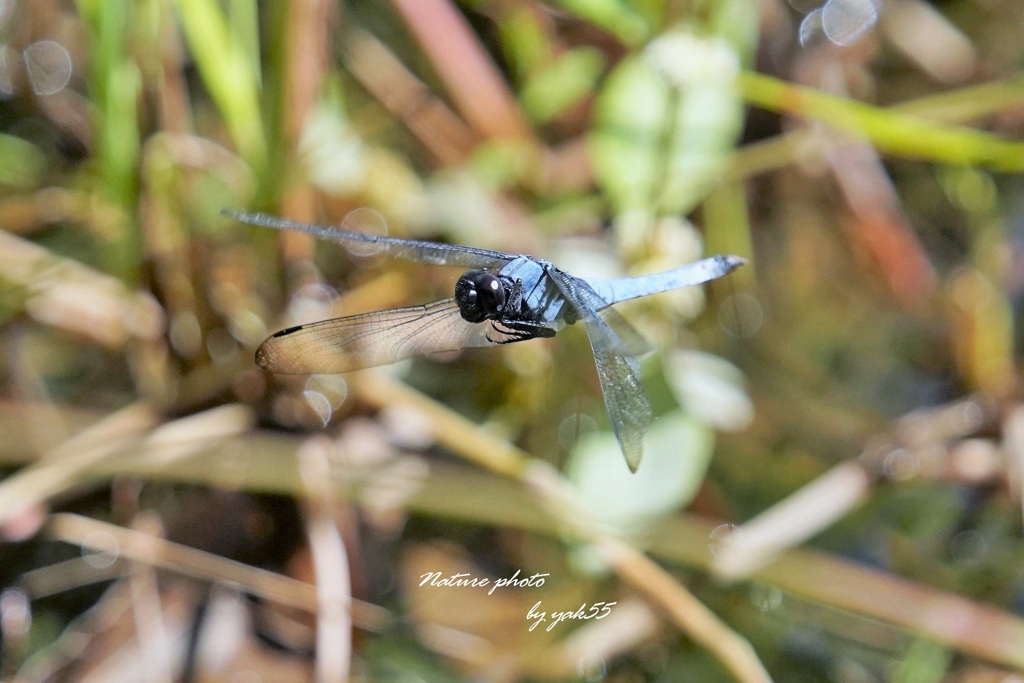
(519, 330)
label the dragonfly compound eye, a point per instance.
(480, 295)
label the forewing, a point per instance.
(434, 253)
(617, 368)
(370, 339)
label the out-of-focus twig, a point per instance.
(1013, 444)
(445, 426)
(306, 55)
(436, 126)
(700, 623)
(879, 224)
(468, 73)
(151, 630)
(916, 445)
(130, 430)
(65, 465)
(952, 620)
(931, 40)
(159, 552)
(333, 582)
(632, 623)
(308, 35)
(792, 521)
(71, 296)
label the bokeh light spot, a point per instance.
(48, 65)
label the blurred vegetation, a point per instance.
(850, 398)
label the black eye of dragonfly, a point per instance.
(480, 295)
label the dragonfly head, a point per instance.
(481, 296)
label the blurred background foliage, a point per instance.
(170, 512)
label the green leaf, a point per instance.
(925, 662)
(709, 388)
(567, 81)
(21, 163)
(527, 47)
(224, 59)
(666, 123)
(613, 16)
(677, 451)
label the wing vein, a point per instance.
(617, 369)
(370, 339)
(419, 251)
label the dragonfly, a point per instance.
(502, 298)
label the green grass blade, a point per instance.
(225, 65)
(889, 131)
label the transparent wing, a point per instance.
(614, 343)
(433, 253)
(370, 339)
(698, 272)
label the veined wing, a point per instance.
(617, 368)
(434, 253)
(370, 339)
(626, 339)
(698, 272)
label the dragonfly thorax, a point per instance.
(480, 295)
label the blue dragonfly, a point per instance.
(502, 298)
